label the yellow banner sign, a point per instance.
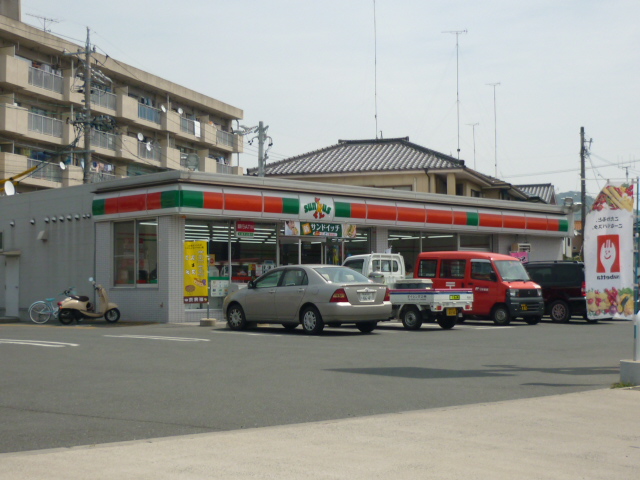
(195, 272)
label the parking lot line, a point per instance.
(156, 337)
(37, 343)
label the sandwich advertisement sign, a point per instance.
(608, 254)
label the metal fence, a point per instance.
(45, 125)
(97, 177)
(48, 171)
(225, 138)
(103, 140)
(188, 125)
(148, 113)
(148, 151)
(46, 80)
(104, 99)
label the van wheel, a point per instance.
(559, 311)
(411, 318)
(500, 315)
(533, 320)
(447, 323)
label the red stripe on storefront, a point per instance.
(358, 210)
(154, 201)
(490, 220)
(537, 223)
(408, 214)
(439, 216)
(381, 212)
(460, 218)
(511, 221)
(132, 203)
(273, 205)
(213, 200)
(553, 225)
(111, 205)
(242, 203)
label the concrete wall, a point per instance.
(64, 259)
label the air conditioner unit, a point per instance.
(520, 247)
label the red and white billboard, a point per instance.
(608, 254)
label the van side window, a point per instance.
(482, 270)
(427, 268)
(452, 268)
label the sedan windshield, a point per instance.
(512, 271)
(341, 275)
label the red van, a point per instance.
(501, 286)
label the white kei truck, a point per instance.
(414, 300)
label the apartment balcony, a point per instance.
(14, 120)
(47, 175)
(48, 129)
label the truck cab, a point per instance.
(384, 268)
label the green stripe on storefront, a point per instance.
(189, 198)
(563, 226)
(170, 199)
(98, 207)
(343, 210)
(473, 219)
(291, 205)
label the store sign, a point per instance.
(317, 229)
(195, 272)
(608, 254)
(245, 229)
(317, 208)
(522, 256)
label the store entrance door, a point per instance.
(305, 250)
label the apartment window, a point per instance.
(135, 252)
(476, 193)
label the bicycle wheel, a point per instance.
(40, 312)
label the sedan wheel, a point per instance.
(312, 322)
(235, 317)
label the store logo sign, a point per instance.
(319, 209)
(245, 229)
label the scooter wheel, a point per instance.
(66, 316)
(112, 316)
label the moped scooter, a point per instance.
(79, 306)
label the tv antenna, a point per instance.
(44, 21)
(457, 33)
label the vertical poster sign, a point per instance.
(195, 272)
(608, 254)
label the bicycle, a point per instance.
(41, 311)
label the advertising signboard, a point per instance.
(195, 272)
(608, 254)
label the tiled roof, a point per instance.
(353, 156)
(543, 191)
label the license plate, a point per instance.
(525, 306)
(454, 297)
(452, 312)
(366, 297)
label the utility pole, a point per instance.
(457, 33)
(583, 190)
(495, 126)
(87, 110)
(262, 137)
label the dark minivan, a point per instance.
(563, 288)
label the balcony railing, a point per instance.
(45, 125)
(48, 171)
(148, 151)
(187, 125)
(148, 113)
(104, 99)
(225, 138)
(103, 140)
(97, 177)
(46, 80)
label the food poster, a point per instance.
(196, 272)
(339, 230)
(608, 254)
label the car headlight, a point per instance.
(539, 291)
(512, 292)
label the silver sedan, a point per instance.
(311, 295)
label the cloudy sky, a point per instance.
(317, 71)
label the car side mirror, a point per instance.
(251, 284)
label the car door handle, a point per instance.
(301, 290)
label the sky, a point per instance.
(316, 72)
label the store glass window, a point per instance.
(475, 242)
(406, 243)
(135, 252)
(439, 241)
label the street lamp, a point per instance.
(495, 126)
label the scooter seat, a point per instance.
(80, 298)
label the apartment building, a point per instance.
(141, 123)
